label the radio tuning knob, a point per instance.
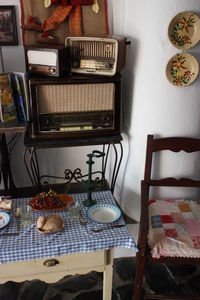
(47, 122)
(52, 70)
(76, 63)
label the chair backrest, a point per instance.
(174, 144)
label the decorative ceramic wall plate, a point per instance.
(182, 69)
(4, 219)
(104, 213)
(184, 30)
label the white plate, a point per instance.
(4, 219)
(104, 213)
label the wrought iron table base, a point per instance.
(32, 167)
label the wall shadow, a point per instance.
(128, 76)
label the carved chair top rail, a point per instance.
(174, 144)
(174, 182)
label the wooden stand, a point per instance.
(32, 164)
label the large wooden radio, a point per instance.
(75, 106)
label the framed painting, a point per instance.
(8, 27)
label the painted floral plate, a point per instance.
(182, 69)
(184, 30)
(104, 213)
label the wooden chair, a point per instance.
(180, 207)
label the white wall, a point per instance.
(151, 105)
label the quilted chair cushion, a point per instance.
(174, 228)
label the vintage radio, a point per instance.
(97, 55)
(75, 106)
(48, 60)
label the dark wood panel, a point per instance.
(70, 142)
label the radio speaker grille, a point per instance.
(94, 49)
(75, 97)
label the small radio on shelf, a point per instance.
(97, 55)
(49, 60)
(75, 106)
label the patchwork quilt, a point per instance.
(174, 228)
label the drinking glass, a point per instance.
(74, 211)
(26, 216)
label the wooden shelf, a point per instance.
(70, 142)
(12, 127)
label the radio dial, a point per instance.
(52, 70)
(47, 121)
(106, 118)
(108, 48)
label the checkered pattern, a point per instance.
(174, 228)
(31, 244)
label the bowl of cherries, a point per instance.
(51, 201)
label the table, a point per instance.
(73, 250)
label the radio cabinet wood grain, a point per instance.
(71, 264)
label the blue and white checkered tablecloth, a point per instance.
(73, 238)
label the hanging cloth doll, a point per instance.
(65, 8)
(59, 12)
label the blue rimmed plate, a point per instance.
(104, 213)
(4, 219)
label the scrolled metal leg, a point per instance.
(32, 168)
(117, 164)
(105, 161)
